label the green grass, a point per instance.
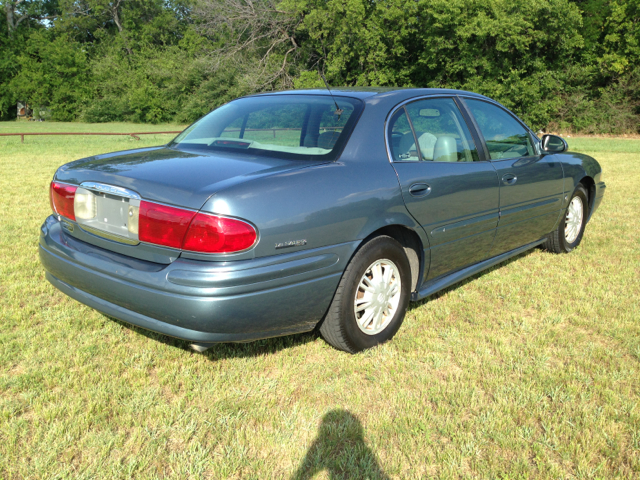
(606, 144)
(529, 370)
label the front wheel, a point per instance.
(569, 233)
(372, 297)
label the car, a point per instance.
(285, 212)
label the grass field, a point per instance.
(529, 370)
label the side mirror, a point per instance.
(554, 144)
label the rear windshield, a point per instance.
(298, 127)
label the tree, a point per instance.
(621, 46)
(515, 51)
(54, 72)
(134, 22)
(258, 36)
(17, 11)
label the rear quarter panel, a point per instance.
(329, 204)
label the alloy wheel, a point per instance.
(573, 219)
(377, 296)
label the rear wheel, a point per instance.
(372, 297)
(569, 233)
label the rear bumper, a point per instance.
(203, 302)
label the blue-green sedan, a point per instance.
(286, 212)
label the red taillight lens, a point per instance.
(163, 225)
(212, 234)
(62, 197)
(196, 232)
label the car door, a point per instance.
(445, 185)
(531, 185)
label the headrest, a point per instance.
(328, 139)
(445, 150)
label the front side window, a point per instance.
(298, 127)
(431, 130)
(504, 136)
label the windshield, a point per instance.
(299, 127)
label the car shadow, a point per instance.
(340, 449)
(414, 305)
(221, 351)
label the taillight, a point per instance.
(62, 197)
(195, 232)
(212, 234)
(163, 225)
(159, 224)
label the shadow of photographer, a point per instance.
(340, 449)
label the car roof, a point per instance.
(366, 92)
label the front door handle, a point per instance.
(509, 179)
(419, 190)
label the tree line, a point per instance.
(571, 65)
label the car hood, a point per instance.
(173, 176)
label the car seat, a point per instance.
(426, 141)
(328, 139)
(445, 150)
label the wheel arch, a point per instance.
(590, 186)
(412, 245)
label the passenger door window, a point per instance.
(504, 136)
(441, 132)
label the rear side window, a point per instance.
(504, 136)
(304, 127)
(401, 138)
(431, 130)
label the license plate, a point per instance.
(107, 215)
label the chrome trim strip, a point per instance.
(110, 189)
(109, 236)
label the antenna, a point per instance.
(338, 111)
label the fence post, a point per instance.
(21, 138)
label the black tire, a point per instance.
(339, 327)
(556, 241)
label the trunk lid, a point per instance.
(160, 174)
(171, 176)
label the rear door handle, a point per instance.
(419, 190)
(509, 179)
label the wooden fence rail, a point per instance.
(134, 135)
